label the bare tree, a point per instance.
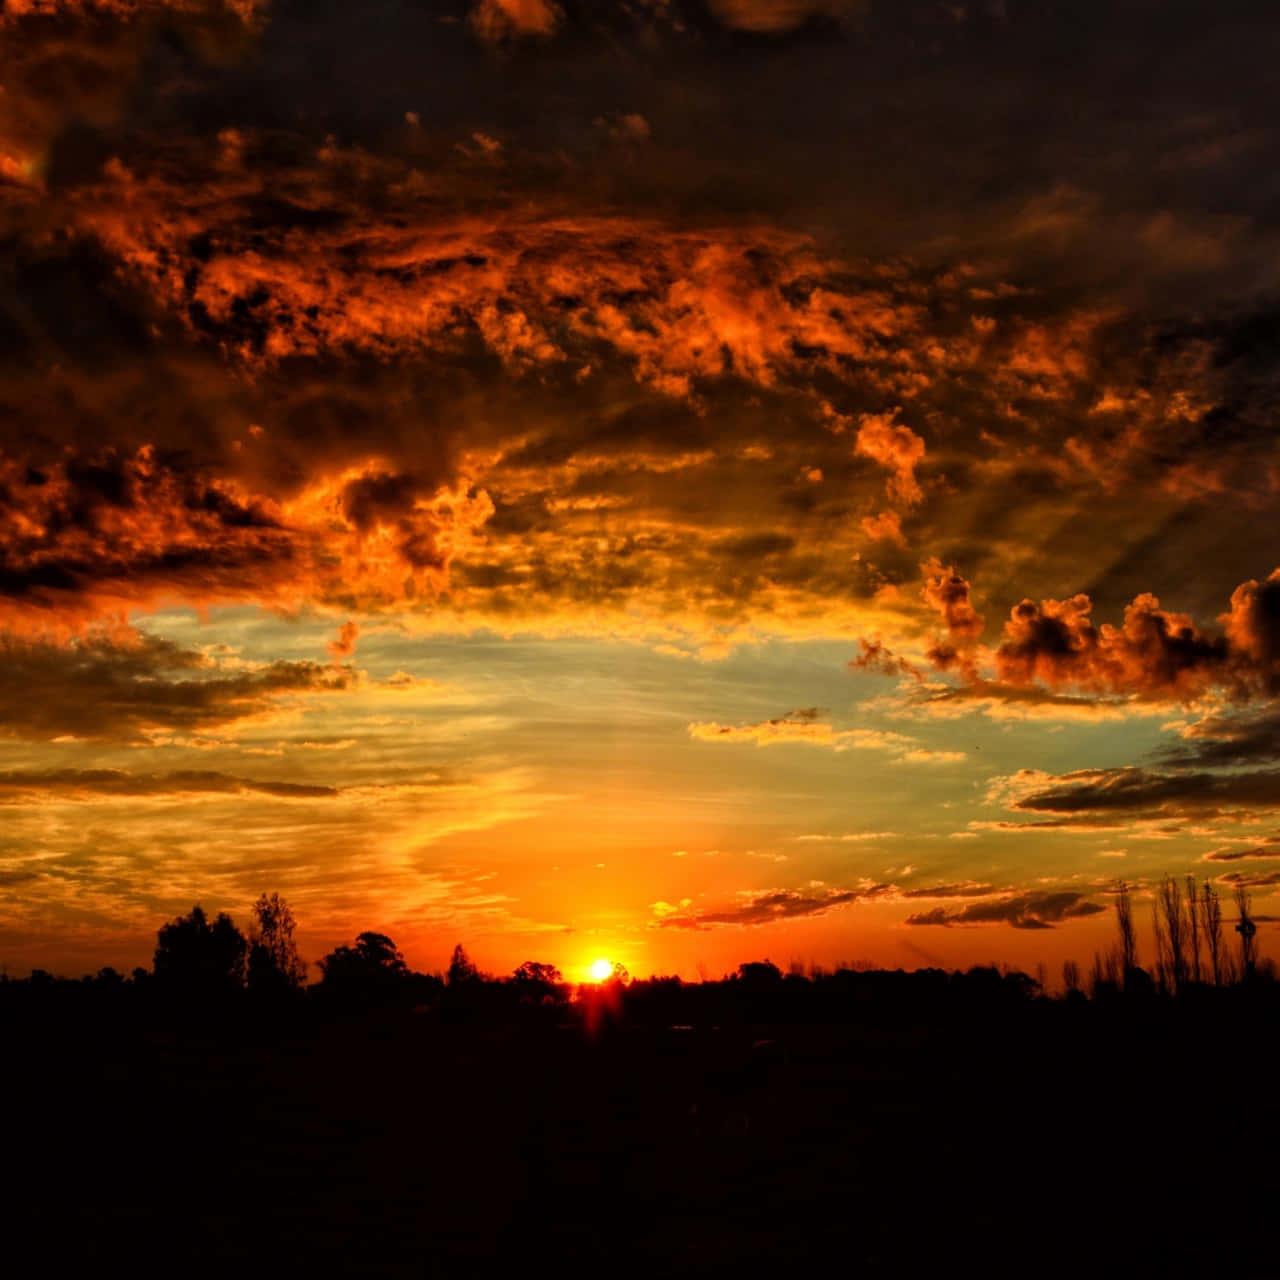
(1193, 932)
(1164, 967)
(1128, 938)
(1071, 977)
(1246, 929)
(1097, 975)
(1211, 927)
(1169, 913)
(274, 963)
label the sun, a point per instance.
(601, 970)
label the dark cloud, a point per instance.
(84, 784)
(1056, 644)
(141, 689)
(1220, 740)
(1036, 910)
(1243, 855)
(966, 889)
(765, 907)
(1251, 879)
(1135, 790)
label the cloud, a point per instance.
(1154, 652)
(499, 20)
(948, 594)
(885, 527)
(1000, 700)
(137, 689)
(35, 787)
(897, 448)
(799, 726)
(101, 533)
(959, 889)
(1251, 879)
(805, 727)
(1241, 855)
(773, 17)
(760, 907)
(1143, 791)
(1035, 910)
(344, 644)
(1220, 740)
(876, 657)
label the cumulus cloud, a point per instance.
(1035, 910)
(1054, 647)
(1055, 643)
(949, 594)
(885, 527)
(897, 448)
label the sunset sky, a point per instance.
(681, 481)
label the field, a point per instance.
(1041, 1136)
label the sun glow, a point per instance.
(601, 970)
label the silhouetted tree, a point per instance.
(1193, 920)
(534, 973)
(372, 967)
(1071, 977)
(198, 957)
(1128, 938)
(461, 970)
(1211, 927)
(274, 963)
(539, 983)
(1246, 929)
(1171, 935)
(759, 973)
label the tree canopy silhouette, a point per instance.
(461, 969)
(373, 964)
(198, 957)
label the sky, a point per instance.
(677, 481)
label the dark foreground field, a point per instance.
(1040, 1138)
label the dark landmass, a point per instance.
(868, 1122)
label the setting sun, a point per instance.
(601, 970)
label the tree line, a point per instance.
(1192, 946)
(199, 961)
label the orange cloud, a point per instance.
(498, 20)
(344, 645)
(1154, 652)
(772, 17)
(896, 447)
(885, 527)
(98, 535)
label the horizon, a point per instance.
(675, 483)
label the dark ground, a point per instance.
(1039, 1138)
